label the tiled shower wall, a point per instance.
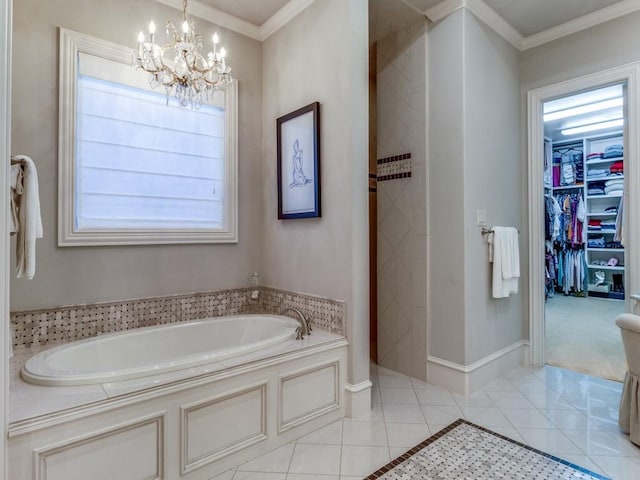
(402, 201)
(65, 324)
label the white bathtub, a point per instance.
(154, 350)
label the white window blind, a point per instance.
(134, 168)
(143, 164)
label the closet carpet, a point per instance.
(581, 335)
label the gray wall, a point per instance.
(446, 190)
(322, 55)
(610, 44)
(475, 163)
(493, 173)
(88, 274)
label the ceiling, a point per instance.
(527, 17)
(252, 11)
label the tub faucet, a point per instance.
(304, 328)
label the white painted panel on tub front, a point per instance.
(308, 393)
(222, 425)
(132, 451)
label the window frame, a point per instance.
(71, 45)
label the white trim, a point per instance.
(506, 31)
(358, 387)
(158, 419)
(581, 23)
(631, 75)
(5, 140)
(258, 32)
(468, 378)
(283, 16)
(444, 9)
(71, 44)
(217, 17)
(358, 399)
(496, 22)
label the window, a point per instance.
(134, 168)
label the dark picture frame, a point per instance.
(298, 163)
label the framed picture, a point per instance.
(299, 163)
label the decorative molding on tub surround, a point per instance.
(69, 323)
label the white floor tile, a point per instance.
(364, 433)
(526, 418)
(407, 434)
(441, 414)
(259, 476)
(549, 441)
(397, 413)
(499, 385)
(398, 395)
(322, 459)
(619, 468)
(276, 461)
(388, 381)
(510, 400)
(476, 399)
(593, 442)
(567, 419)
(582, 461)
(433, 396)
(306, 476)
(228, 475)
(357, 460)
(509, 432)
(486, 417)
(329, 435)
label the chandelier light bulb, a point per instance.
(180, 66)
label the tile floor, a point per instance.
(564, 413)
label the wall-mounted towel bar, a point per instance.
(487, 231)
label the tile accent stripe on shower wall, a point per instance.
(70, 323)
(391, 168)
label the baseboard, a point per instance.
(358, 399)
(466, 379)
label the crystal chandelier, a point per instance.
(189, 75)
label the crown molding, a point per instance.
(444, 9)
(582, 23)
(231, 22)
(282, 17)
(489, 16)
(218, 17)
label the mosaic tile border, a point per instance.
(402, 458)
(392, 168)
(75, 322)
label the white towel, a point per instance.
(29, 221)
(505, 256)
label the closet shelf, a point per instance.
(606, 267)
(605, 232)
(604, 160)
(603, 179)
(616, 195)
(590, 249)
(602, 214)
(568, 187)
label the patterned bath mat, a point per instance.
(465, 450)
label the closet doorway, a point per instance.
(585, 249)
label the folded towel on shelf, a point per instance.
(594, 156)
(505, 256)
(29, 225)
(613, 189)
(614, 181)
(597, 172)
(613, 151)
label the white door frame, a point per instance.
(535, 99)
(5, 141)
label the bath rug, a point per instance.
(466, 450)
